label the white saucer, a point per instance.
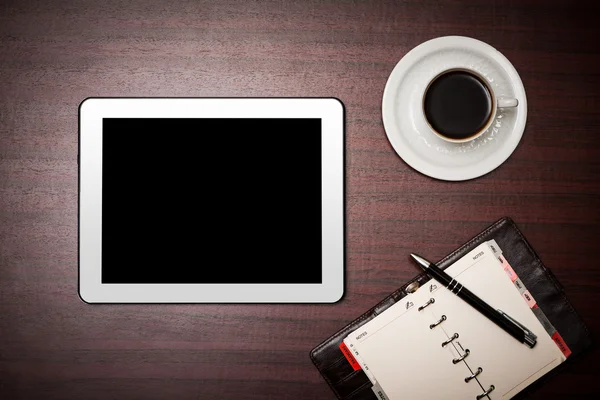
(407, 129)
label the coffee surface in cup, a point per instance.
(457, 105)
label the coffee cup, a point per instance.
(459, 105)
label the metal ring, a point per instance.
(437, 323)
(455, 336)
(459, 359)
(431, 301)
(411, 288)
(482, 395)
(474, 374)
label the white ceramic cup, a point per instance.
(497, 102)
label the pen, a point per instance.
(514, 328)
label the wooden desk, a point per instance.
(54, 54)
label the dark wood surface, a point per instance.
(54, 54)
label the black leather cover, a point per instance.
(546, 290)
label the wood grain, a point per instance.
(54, 54)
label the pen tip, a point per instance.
(420, 260)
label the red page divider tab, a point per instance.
(348, 354)
(561, 344)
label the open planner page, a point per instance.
(404, 357)
(403, 354)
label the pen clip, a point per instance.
(533, 335)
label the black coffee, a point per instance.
(457, 105)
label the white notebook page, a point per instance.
(417, 366)
(399, 350)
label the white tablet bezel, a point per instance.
(91, 113)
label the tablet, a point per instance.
(211, 200)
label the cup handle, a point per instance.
(507, 103)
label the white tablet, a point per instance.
(211, 200)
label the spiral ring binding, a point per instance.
(437, 323)
(431, 301)
(459, 359)
(474, 374)
(455, 336)
(482, 395)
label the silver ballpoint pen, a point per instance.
(500, 318)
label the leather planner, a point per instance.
(349, 376)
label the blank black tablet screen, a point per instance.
(211, 200)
